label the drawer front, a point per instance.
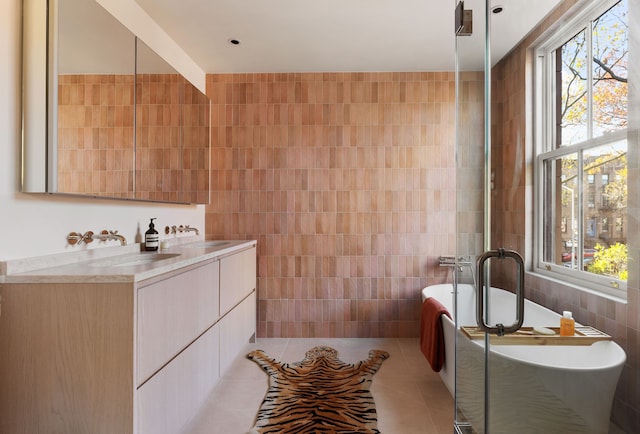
(171, 399)
(237, 278)
(236, 329)
(172, 313)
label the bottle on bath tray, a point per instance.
(567, 324)
(151, 238)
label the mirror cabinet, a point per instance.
(120, 121)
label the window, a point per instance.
(591, 198)
(581, 148)
(605, 198)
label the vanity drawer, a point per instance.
(237, 278)
(172, 313)
(172, 397)
(237, 328)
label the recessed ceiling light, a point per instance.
(234, 41)
(497, 9)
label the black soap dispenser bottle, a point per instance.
(151, 238)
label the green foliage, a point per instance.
(616, 191)
(611, 261)
(594, 65)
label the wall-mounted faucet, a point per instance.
(187, 228)
(452, 261)
(109, 235)
(457, 265)
(175, 229)
(78, 238)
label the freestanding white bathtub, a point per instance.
(533, 388)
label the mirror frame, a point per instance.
(35, 84)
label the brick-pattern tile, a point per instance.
(96, 137)
(348, 182)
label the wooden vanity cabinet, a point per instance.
(167, 318)
(176, 346)
(133, 357)
(66, 358)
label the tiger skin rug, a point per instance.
(320, 394)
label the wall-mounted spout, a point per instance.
(110, 235)
(187, 228)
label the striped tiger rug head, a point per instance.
(320, 394)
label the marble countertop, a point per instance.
(116, 264)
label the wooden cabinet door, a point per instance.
(172, 313)
(237, 278)
(172, 397)
(236, 329)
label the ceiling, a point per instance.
(337, 35)
(83, 48)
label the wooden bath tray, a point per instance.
(584, 335)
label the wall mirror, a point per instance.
(172, 133)
(120, 122)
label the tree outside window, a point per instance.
(584, 176)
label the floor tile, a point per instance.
(409, 397)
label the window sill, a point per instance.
(604, 291)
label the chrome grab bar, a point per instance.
(500, 329)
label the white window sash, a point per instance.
(544, 140)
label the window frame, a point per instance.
(544, 118)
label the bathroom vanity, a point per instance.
(124, 343)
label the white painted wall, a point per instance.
(34, 225)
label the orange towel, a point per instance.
(432, 333)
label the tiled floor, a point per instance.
(410, 398)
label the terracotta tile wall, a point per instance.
(158, 153)
(172, 138)
(347, 181)
(511, 215)
(96, 152)
(196, 121)
(95, 136)
(470, 169)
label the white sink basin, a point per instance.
(133, 260)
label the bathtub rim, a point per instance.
(616, 360)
